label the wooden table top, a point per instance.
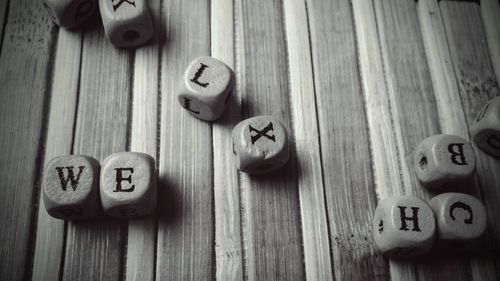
(358, 83)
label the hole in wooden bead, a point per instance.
(130, 35)
(423, 162)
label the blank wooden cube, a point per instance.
(404, 226)
(260, 144)
(70, 13)
(485, 131)
(206, 87)
(443, 160)
(127, 23)
(70, 188)
(128, 184)
(459, 216)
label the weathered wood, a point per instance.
(94, 248)
(490, 9)
(382, 134)
(318, 265)
(25, 67)
(346, 158)
(270, 203)
(50, 233)
(186, 223)
(477, 84)
(228, 244)
(141, 244)
(3, 16)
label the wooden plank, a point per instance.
(94, 248)
(382, 134)
(490, 9)
(25, 66)
(50, 233)
(270, 203)
(412, 98)
(477, 84)
(228, 244)
(3, 16)
(141, 239)
(348, 179)
(186, 228)
(318, 265)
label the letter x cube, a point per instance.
(404, 226)
(260, 144)
(443, 160)
(128, 184)
(485, 130)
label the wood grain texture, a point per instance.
(228, 243)
(50, 233)
(490, 9)
(25, 67)
(186, 223)
(270, 203)
(3, 16)
(317, 260)
(94, 248)
(346, 158)
(477, 84)
(141, 239)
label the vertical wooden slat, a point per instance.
(94, 248)
(347, 164)
(271, 216)
(477, 84)
(141, 244)
(186, 223)
(490, 10)
(228, 244)
(25, 67)
(50, 231)
(383, 143)
(318, 265)
(3, 16)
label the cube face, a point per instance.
(260, 144)
(128, 184)
(442, 160)
(70, 13)
(485, 131)
(404, 226)
(459, 216)
(206, 87)
(127, 23)
(70, 187)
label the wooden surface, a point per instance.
(358, 84)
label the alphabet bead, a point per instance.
(485, 131)
(459, 216)
(127, 23)
(403, 226)
(70, 13)
(206, 87)
(70, 187)
(260, 144)
(442, 160)
(128, 184)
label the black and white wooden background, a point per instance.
(359, 83)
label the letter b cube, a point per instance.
(128, 184)
(403, 226)
(70, 187)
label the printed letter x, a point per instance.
(120, 2)
(262, 133)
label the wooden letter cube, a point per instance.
(485, 131)
(70, 13)
(127, 23)
(70, 188)
(260, 144)
(206, 87)
(403, 226)
(128, 184)
(442, 160)
(459, 216)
